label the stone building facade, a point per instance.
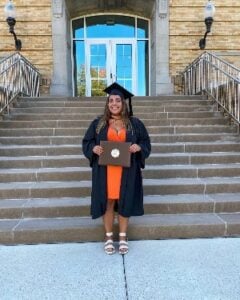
(172, 34)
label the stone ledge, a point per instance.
(32, 231)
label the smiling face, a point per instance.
(115, 105)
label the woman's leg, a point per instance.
(108, 217)
(123, 226)
(108, 220)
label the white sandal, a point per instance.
(123, 245)
(108, 245)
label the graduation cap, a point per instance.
(117, 89)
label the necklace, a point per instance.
(117, 124)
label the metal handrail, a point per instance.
(18, 77)
(211, 75)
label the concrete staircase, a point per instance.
(192, 179)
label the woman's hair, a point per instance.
(104, 119)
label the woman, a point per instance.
(116, 186)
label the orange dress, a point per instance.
(114, 173)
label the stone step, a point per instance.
(155, 138)
(45, 174)
(48, 150)
(100, 103)
(154, 159)
(172, 186)
(80, 207)
(191, 171)
(200, 147)
(150, 172)
(11, 132)
(40, 150)
(174, 97)
(192, 203)
(194, 158)
(197, 121)
(91, 116)
(85, 123)
(197, 137)
(160, 226)
(159, 158)
(83, 229)
(177, 129)
(44, 208)
(99, 110)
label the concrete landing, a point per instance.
(199, 269)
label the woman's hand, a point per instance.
(134, 148)
(98, 150)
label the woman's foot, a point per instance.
(123, 244)
(108, 245)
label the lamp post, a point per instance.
(208, 16)
(10, 13)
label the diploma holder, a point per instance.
(115, 154)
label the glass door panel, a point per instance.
(143, 68)
(79, 68)
(108, 61)
(124, 65)
(97, 57)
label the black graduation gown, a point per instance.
(131, 190)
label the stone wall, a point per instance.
(34, 29)
(187, 28)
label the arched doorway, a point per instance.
(108, 48)
(155, 12)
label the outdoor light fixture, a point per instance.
(10, 13)
(208, 16)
